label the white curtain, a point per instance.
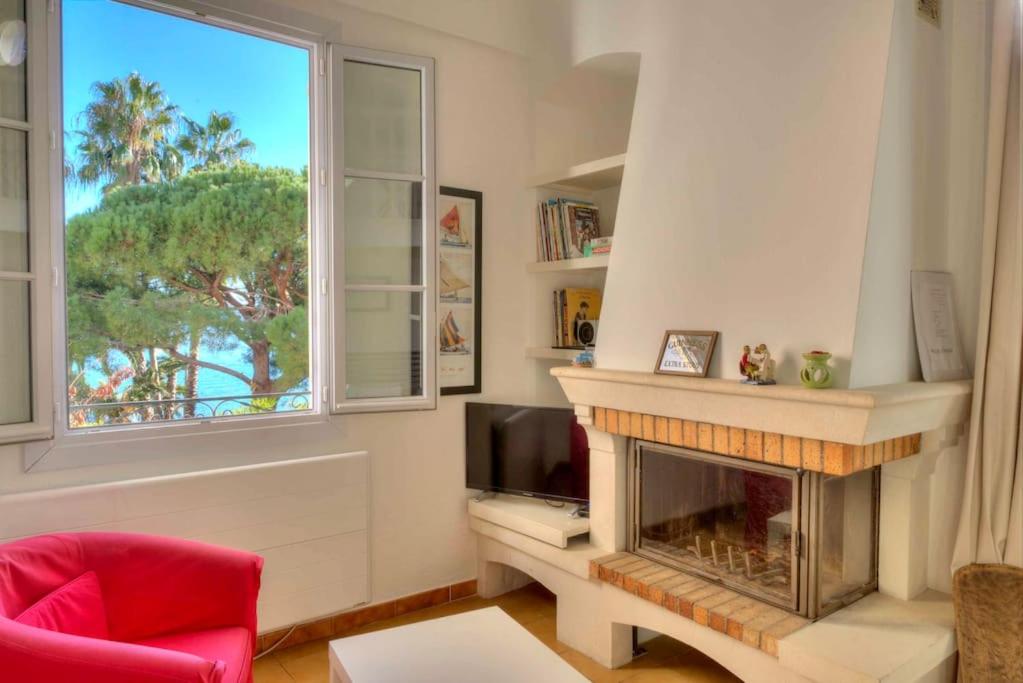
(991, 522)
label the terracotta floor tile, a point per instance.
(525, 607)
(287, 654)
(696, 667)
(313, 668)
(546, 630)
(665, 647)
(589, 668)
(660, 675)
(269, 670)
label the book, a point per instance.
(583, 221)
(564, 227)
(571, 305)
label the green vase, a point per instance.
(816, 374)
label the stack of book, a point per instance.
(564, 227)
(598, 246)
(571, 305)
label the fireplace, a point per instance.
(804, 541)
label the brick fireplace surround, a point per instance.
(603, 590)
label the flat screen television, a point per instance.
(526, 450)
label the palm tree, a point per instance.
(126, 140)
(126, 135)
(218, 143)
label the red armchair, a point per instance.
(120, 608)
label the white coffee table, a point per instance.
(482, 646)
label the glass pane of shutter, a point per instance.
(13, 199)
(383, 118)
(15, 357)
(12, 59)
(383, 344)
(383, 232)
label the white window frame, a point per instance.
(37, 275)
(263, 433)
(340, 403)
(49, 443)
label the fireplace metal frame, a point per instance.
(807, 510)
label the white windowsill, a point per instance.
(272, 437)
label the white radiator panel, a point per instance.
(308, 519)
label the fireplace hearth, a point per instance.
(801, 540)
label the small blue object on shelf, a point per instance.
(584, 359)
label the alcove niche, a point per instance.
(581, 133)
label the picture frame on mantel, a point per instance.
(460, 284)
(686, 352)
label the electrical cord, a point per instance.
(277, 644)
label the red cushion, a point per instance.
(76, 608)
(231, 645)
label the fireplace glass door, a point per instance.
(736, 524)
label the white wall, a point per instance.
(419, 532)
(928, 186)
(586, 114)
(746, 192)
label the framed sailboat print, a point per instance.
(460, 281)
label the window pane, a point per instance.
(848, 520)
(727, 522)
(383, 333)
(12, 59)
(187, 237)
(15, 361)
(383, 232)
(383, 118)
(13, 200)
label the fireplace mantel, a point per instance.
(849, 416)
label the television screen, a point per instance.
(526, 450)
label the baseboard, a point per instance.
(341, 623)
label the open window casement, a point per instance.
(383, 308)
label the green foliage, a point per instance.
(220, 249)
(216, 255)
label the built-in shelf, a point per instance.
(587, 263)
(592, 175)
(548, 353)
(531, 517)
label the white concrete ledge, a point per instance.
(878, 638)
(850, 416)
(532, 517)
(575, 559)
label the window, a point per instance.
(24, 409)
(383, 258)
(245, 229)
(187, 218)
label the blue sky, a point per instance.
(201, 68)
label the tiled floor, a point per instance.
(666, 660)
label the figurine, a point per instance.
(757, 367)
(584, 359)
(744, 361)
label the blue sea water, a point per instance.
(212, 384)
